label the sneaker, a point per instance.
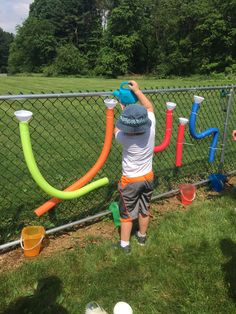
(126, 249)
(141, 240)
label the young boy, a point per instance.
(135, 131)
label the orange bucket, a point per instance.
(188, 193)
(31, 239)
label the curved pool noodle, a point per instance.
(210, 131)
(168, 130)
(39, 179)
(179, 143)
(93, 171)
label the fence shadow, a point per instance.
(228, 248)
(42, 301)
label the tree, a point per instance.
(76, 21)
(5, 41)
(34, 46)
(127, 38)
(69, 61)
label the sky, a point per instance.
(12, 13)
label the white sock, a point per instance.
(124, 243)
(141, 235)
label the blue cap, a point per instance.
(134, 119)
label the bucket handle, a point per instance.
(21, 244)
(194, 195)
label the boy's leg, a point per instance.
(125, 230)
(143, 223)
(141, 235)
(144, 213)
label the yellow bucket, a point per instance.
(31, 239)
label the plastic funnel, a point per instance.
(110, 103)
(23, 115)
(198, 99)
(170, 105)
(183, 121)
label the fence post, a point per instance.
(229, 105)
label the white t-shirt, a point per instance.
(137, 150)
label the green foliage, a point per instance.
(5, 41)
(33, 47)
(77, 22)
(165, 37)
(68, 61)
(111, 63)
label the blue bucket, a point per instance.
(217, 181)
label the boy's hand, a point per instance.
(122, 106)
(133, 86)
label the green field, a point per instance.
(37, 84)
(187, 266)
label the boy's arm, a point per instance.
(141, 97)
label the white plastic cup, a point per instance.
(94, 308)
(110, 103)
(183, 121)
(23, 115)
(198, 99)
(170, 105)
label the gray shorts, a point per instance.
(135, 199)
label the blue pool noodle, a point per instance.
(214, 131)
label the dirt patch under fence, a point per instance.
(98, 231)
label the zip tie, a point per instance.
(216, 148)
(188, 144)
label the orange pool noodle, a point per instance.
(92, 172)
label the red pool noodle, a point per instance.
(179, 145)
(168, 131)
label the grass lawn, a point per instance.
(187, 266)
(37, 84)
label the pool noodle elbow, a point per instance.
(203, 134)
(39, 179)
(168, 132)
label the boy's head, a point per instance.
(134, 119)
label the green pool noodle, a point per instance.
(114, 208)
(39, 179)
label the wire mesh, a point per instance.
(67, 134)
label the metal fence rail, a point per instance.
(67, 134)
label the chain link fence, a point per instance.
(67, 134)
